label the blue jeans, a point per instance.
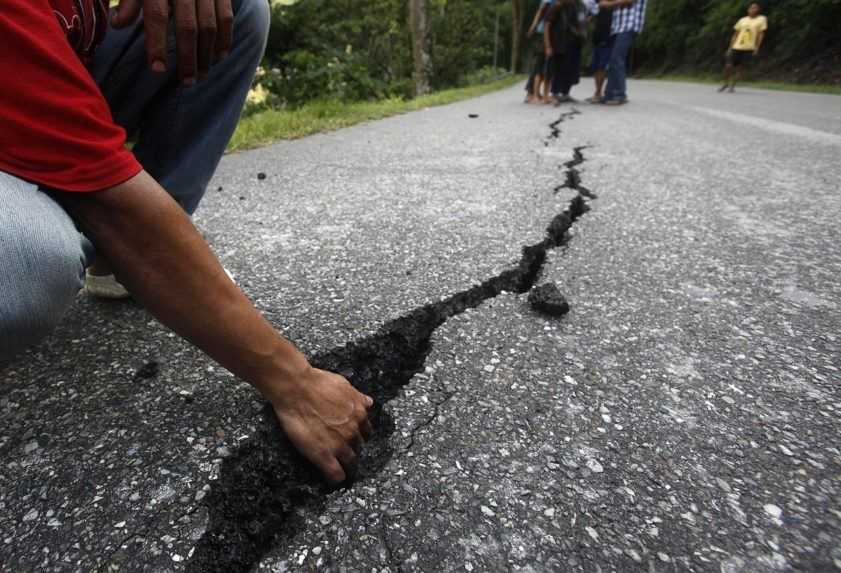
(181, 134)
(620, 45)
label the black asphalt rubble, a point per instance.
(682, 416)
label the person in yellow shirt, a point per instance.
(748, 34)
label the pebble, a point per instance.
(549, 512)
(773, 510)
(487, 511)
(594, 466)
(547, 299)
(31, 515)
(592, 533)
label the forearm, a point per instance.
(167, 266)
(615, 3)
(535, 21)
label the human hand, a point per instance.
(203, 32)
(326, 419)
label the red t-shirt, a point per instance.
(55, 126)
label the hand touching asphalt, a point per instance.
(327, 421)
(203, 32)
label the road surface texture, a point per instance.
(683, 416)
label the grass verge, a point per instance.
(758, 84)
(315, 117)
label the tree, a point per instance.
(419, 26)
(518, 8)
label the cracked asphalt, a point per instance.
(683, 416)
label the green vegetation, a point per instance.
(270, 125)
(356, 50)
(802, 44)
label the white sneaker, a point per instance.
(107, 286)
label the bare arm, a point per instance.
(615, 3)
(547, 39)
(161, 258)
(759, 39)
(537, 16)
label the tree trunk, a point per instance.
(518, 9)
(419, 25)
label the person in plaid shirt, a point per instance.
(627, 22)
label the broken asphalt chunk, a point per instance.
(547, 299)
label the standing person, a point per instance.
(177, 79)
(563, 38)
(538, 84)
(626, 23)
(601, 52)
(748, 34)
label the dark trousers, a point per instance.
(566, 68)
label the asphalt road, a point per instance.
(684, 416)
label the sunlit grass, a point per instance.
(327, 115)
(758, 84)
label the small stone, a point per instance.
(592, 533)
(30, 447)
(148, 370)
(633, 554)
(773, 510)
(549, 512)
(31, 515)
(261, 176)
(547, 299)
(663, 557)
(120, 525)
(594, 466)
(472, 115)
(786, 451)
(487, 511)
(177, 558)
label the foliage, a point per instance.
(802, 41)
(361, 49)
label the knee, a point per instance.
(251, 25)
(42, 279)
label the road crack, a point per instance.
(266, 489)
